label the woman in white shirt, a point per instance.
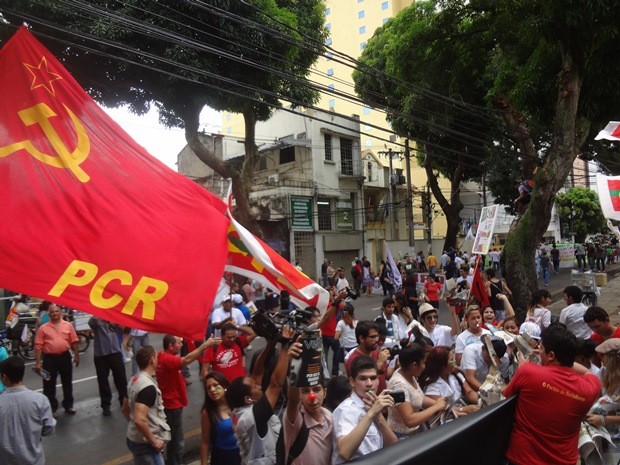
(405, 418)
(345, 330)
(538, 312)
(441, 378)
(473, 319)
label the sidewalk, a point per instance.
(609, 298)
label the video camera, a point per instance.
(351, 293)
(268, 325)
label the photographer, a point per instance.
(359, 425)
(307, 425)
(257, 427)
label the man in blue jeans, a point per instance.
(148, 432)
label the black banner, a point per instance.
(480, 438)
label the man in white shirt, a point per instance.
(226, 313)
(441, 335)
(572, 316)
(395, 330)
(359, 425)
(341, 282)
(476, 362)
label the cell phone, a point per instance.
(398, 396)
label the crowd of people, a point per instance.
(383, 380)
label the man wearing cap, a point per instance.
(226, 313)
(476, 362)
(441, 335)
(552, 400)
(238, 302)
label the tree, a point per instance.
(182, 56)
(553, 85)
(579, 209)
(453, 140)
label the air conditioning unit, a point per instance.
(273, 179)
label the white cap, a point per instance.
(236, 298)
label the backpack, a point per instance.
(299, 444)
(355, 273)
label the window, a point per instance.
(346, 156)
(262, 162)
(328, 146)
(361, 14)
(385, 20)
(332, 103)
(369, 176)
(229, 130)
(362, 45)
(330, 72)
(329, 56)
(368, 143)
(287, 154)
(328, 41)
(367, 110)
(384, 6)
(328, 26)
(327, 11)
(330, 87)
(228, 117)
(363, 30)
(367, 127)
(324, 215)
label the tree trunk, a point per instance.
(526, 234)
(241, 180)
(451, 208)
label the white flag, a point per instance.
(393, 273)
(470, 235)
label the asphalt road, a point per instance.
(90, 438)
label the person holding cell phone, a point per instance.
(359, 425)
(405, 418)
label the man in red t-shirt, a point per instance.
(367, 334)
(227, 357)
(552, 400)
(173, 389)
(597, 320)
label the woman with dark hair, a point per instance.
(218, 436)
(345, 331)
(410, 292)
(442, 379)
(402, 311)
(405, 418)
(537, 311)
(338, 389)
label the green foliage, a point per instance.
(587, 216)
(184, 40)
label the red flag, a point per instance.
(90, 219)
(249, 256)
(610, 132)
(478, 289)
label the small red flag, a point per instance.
(90, 219)
(478, 289)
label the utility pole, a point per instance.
(409, 195)
(429, 217)
(392, 185)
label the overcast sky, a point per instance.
(164, 144)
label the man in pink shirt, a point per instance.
(52, 343)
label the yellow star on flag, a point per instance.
(42, 76)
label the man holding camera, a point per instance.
(359, 425)
(257, 428)
(308, 427)
(367, 334)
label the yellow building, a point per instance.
(351, 24)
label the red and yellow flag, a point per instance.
(609, 195)
(89, 218)
(249, 256)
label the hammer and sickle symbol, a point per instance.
(40, 114)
